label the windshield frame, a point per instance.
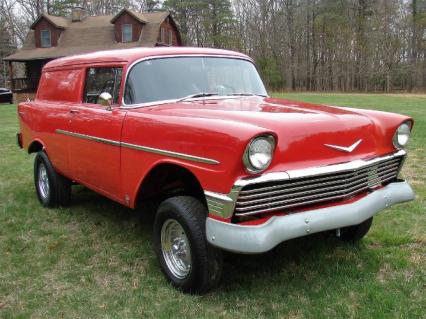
(159, 102)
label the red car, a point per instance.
(194, 132)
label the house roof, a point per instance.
(89, 35)
(59, 22)
(137, 15)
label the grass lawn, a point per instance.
(94, 259)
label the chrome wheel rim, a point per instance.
(176, 249)
(43, 181)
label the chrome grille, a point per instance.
(303, 191)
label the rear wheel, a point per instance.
(187, 260)
(52, 188)
(356, 232)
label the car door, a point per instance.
(49, 115)
(94, 154)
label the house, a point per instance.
(51, 37)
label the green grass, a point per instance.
(94, 259)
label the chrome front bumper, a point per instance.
(264, 237)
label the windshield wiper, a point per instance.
(246, 94)
(193, 96)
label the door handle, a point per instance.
(74, 111)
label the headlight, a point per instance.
(258, 154)
(402, 135)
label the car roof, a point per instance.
(130, 55)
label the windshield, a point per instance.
(179, 77)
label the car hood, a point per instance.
(306, 133)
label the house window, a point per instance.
(126, 33)
(170, 37)
(163, 35)
(45, 39)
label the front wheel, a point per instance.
(187, 260)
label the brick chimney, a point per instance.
(78, 14)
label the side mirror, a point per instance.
(105, 99)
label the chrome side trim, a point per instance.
(170, 153)
(228, 210)
(147, 149)
(88, 137)
(253, 239)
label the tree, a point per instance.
(204, 23)
(345, 45)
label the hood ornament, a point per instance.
(347, 149)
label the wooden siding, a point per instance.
(43, 24)
(167, 26)
(125, 18)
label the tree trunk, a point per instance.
(413, 55)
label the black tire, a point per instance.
(58, 190)
(356, 232)
(206, 260)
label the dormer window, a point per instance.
(126, 33)
(46, 41)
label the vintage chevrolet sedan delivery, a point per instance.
(194, 133)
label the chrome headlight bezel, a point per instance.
(247, 157)
(401, 136)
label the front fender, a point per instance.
(385, 124)
(157, 138)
